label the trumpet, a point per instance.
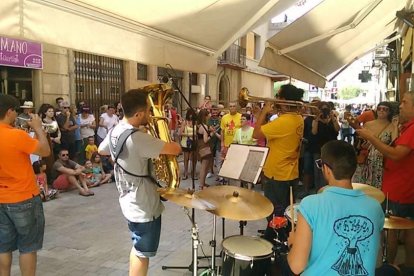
(300, 107)
(49, 128)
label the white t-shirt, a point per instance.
(109, 122)
(138, 196)
(86, 131)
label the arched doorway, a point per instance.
(224, 90)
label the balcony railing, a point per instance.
(234, 56)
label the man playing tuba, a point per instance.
(139, 200)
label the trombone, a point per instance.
(300, 107)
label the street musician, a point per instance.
(283, 136)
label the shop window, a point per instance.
(142, 71)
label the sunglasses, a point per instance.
(64, 154)
(382, 108)
(319, 164)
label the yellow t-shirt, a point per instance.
(89, 150)
(283, 136)
(229, 124)
(244, 137)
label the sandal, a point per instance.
(184, 177)
(83, 193)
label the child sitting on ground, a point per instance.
(39, 168)
(91, 179)
(98, 170)
(90, 148)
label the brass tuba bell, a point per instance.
(165, 167)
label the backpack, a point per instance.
(116, 151)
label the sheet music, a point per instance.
(244, 162)
(253, 167)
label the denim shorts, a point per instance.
(145, 237)
(22, 226)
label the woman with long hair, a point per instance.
(47, 114)
(385, 127)
(203, 145)
(187, 141)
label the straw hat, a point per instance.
(27, 104)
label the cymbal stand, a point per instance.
(242, 224)
(195, 241)
(194, 230)
(212, 270)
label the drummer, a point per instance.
(398, 179)
(338, 225)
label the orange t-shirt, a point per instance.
(366, 116)
(17, 178)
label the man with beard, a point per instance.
(139, 200)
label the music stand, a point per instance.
(244, 162)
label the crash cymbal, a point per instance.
(185, 198)
(237, 203)
(369, 190)
(393, 222)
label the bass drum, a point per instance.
(246, 256)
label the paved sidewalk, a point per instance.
(88, 236)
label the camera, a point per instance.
(325, 112)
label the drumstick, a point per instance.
(292, 213)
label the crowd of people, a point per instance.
(73, 134)
(70, 149)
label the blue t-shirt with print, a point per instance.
(346, 226)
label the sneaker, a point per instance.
(209, 175)
(52, 194)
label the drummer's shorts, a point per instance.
(399, 209)
(145, 237)
(22, 226)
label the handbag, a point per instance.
(189, 143)
(204, 152)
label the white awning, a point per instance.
(188, 34)
(330, 36)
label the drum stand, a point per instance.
(195, 242)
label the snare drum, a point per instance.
(288, 213)
(246, 256)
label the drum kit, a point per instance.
(240, 253)
(247, 255)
